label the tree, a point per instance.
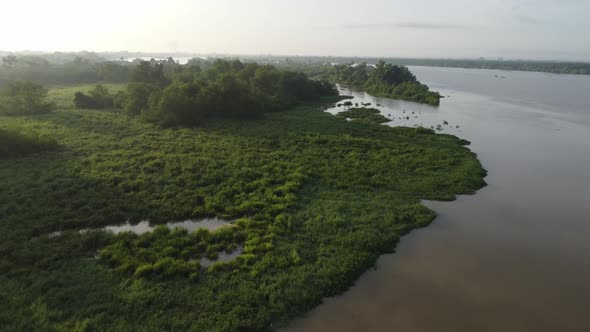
(98, 98)
(24, 98)
(150, 72)
(178, 104)
(84, 101)
(225, 89)
(142, 73)
(102, 96)
(114, 72)
(387, 73)
(9, 60)
(138, 97)
(80, 60)
(233, 98)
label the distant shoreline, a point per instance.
(544, 66)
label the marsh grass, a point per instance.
(317, 199)
(20, 141)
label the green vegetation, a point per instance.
(355, 76)
(371, 115)
(171, 253)
(63, 96)
(24, 98)
(70, 70)
(16, 142)
(151, 73)
(315, 199)
(99, 97)
(228, 89)
(384, 80)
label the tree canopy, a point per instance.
(23, 98)
(228, 89)
(384, 80)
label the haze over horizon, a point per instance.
(525, 29)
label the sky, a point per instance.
(512, 29)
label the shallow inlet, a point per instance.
(210, 224)
(190, 225)
(223, 257)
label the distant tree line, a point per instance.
(578, 68)
(77, 70)
(317, 65)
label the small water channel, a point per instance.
(142, 227)
(222, 257)
(401, 113)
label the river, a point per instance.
(516, 255)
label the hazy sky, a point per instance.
(539, 29)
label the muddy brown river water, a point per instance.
(516, 255)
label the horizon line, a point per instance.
(185, 53)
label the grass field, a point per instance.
(315, 200)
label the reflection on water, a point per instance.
(210, 224)
(513, 257)
(401, 113)
(222, 257)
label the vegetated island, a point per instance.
(314, 199)
(371, 115)
(383, 80)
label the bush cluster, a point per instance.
(227, 89)
(24, 98)
(99, 98)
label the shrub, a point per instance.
(98, 98)
(228, 89)
(84, 101)
(138, 97)
(102, 96)
(24, 98)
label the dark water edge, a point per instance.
(513, 257)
